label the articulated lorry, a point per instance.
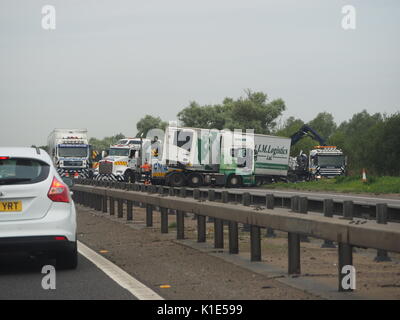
(122, 161)
(70, 151)
(198, 157)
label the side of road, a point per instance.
(172, 270)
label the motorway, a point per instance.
(21, 278)
(142, 252)
(96, 278)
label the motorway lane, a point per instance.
(21, 278)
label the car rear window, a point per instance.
(22, 171)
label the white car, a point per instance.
(37, 214)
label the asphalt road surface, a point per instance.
(21, 278)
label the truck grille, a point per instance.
(73, 163)
(330, 172)
(105, 167)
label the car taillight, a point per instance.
(58, 191)
(4, 158)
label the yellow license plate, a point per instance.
(9, 206)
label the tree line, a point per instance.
(370, 141)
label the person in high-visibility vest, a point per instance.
(146, 167)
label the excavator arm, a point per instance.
(304, 130)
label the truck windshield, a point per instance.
(118, 152)
(80, 152)
(331, 160)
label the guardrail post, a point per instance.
(328, 212)
(180, 224)
(294, 203)
(303, 208)
(255, 243)
(201, 228)
(224, 197)
(233, 237)
(120, 208)
(246, 199)
(293, 253)
(87, 199)
(348, 209)
(270, 203)
(218, 234)
(211, 197)
(381, 218)
(104, 207)
(149, 215)
(100, 202)
(196, 194)
(112, 206)
(94, 201)
(345, 252)
(129, 210)
(164, 220)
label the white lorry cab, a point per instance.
(70, 152)
(123, 160)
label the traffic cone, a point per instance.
(76, 175)
(364, 176)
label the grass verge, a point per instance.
(377, 185)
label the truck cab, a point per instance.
(122, 161)
(70, 152)
(326, 161)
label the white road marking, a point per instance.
(125, 280)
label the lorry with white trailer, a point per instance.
(198, 157)
(122, 161)
(271, 158)
(70, 152)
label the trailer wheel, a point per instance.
(234, 181)
(177, 179)
(195, 180)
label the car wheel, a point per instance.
(68, 260)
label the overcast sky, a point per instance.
(110, 62)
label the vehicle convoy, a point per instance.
(70, 151)
(123, 160)
(323, 161)
(37, 214)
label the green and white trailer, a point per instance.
(271, 158)
(198, 157)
